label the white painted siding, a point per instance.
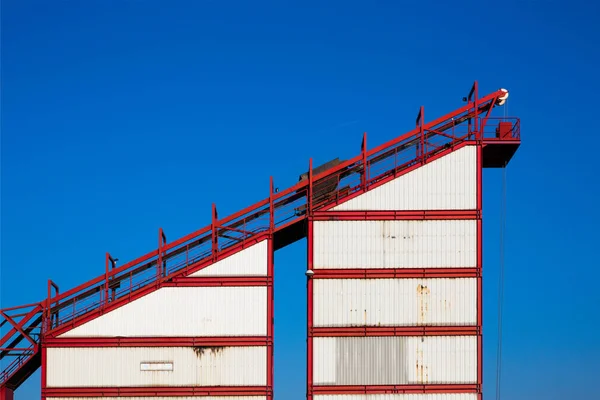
(248, 262)
(185, 311)
(394, 360)
(395, 244)
(400, 302)
(116, 367)
(165, 398)
(448, 183)
(416, 396)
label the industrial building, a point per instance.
(394, 280)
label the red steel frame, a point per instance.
(53, 341)
(285, 211)
(399, 273)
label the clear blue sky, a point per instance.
(119, 117)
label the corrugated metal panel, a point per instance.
(416, 396)
(394, 360)
(193, 366)
(165, 398)
(248, 262)
(448, 183)
(395, 244)
(185, 311)
(400, 302)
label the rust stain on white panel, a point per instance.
(395, 244)
(248, 262)
(184, 312)
(395, 360)
(448, 183)
(415, 396)
(395, 302)
(120, 367)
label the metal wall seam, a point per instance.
(397, 396)
(185, 311)
(447, 183)
(248, 262)
(122, 367)
(395, 360)
(395, 244)
(394, 302)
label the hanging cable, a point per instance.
(501, 285)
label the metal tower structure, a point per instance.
(394, 285)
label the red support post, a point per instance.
(479, 267)
(162, 241)
(107, 261)
(421, 127)
(309, 297)
(364, 177)
(214, 227)
(310, 188)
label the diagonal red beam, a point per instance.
(17, 327)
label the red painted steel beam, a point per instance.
(18, 327)
(213, 341)
(389, 389)
(362, 331)
(390, 273)
(309, 308)
(220, 281)
(392, 215)
(156, 391)
(6, 393)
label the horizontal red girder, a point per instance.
(206, 281)
(394, 215)
(157, 391)
(383, 389)
(225, 341)
(362, 331)
(383, 273)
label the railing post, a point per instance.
(364, 176)
(214, 226)
(422, 131)
(271, 206)
(106, 278)
(160, 263)
(310, 188)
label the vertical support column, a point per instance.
(270, 293)
(479, 269)
(309, 288)
(309, 314)
(6, 394)
(44, 382)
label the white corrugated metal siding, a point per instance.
(395, 244)
(416, 396)
(448, 183)
(165, 398)
(248, 262)
(113, 366)
(394, 360)
(389, 302)
(185, 311)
